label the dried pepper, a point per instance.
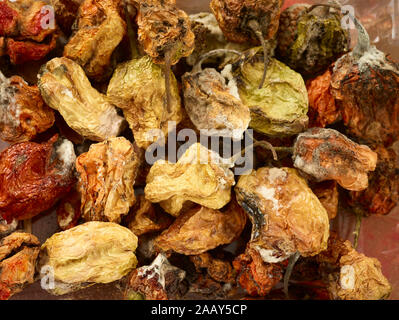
(93, 252)
(209, 36)
(65, 13)
(68, 210)
(323, 110)
(98, 30)
(23, 113)
(33, 177)
(326, 154)
(26, 34)
(65, 87)
(200, 176)
(106, 178)
(248, 21)
(286, 215)
(201, 229)
(7, 228)
(214, 105)
(280, 107)
(365, 84)
(138, 88)
(382, 195)
(355, 276)
(18, 255)
(158, 281)
(311, 37)
(164, 32)
(144, 217)
(255, 275)
(218, 269)
(327, 192)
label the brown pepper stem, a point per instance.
(254, 25)
(356, 233)
(198, 66)
(291, 263)
(167, 67)
(132, 35)
(28, 225)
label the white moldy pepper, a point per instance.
(65, 87)
(93, 252)
(350, 275)
(365, 84)
(106, 178)
(200, 176)
(326, 154)
(158, 281)
(213, 105)
(286, 215)
(23, 113)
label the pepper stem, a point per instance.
(198, 66)
(363, 39)
(131, 34)
(28, 225)
(254, 25)
(358, 225)
(167, 72)
(291, 264)
(266, 145)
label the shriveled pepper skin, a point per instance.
(32, 179)
(25, 34)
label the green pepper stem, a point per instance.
(198, 66)
(254, 25)
(291, 263)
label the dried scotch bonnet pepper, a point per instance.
(280, 107)
(34, 176)
(200, 176)
(138, 88)
(251, 21)
(286, 215)
(163, 30)
(99, 28)
(365, 84)
(326, 154)
(212, 103)
(27, 32)
(200, 229)
(158, 281)
(65, 87)
(311, 37)
(23, 113)
(106, 178)
(93, 252)
(350, 275)
(234, 18)
(18, 255)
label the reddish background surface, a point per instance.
(379, 236)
